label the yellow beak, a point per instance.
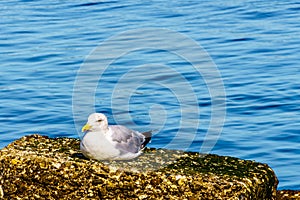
(86, 128)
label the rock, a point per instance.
(288, 195)
(40, 167)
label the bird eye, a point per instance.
(99, 120)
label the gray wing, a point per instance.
(127, 140)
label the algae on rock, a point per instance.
(40, 167)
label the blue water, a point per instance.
(254, 44)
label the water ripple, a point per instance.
(254, 44)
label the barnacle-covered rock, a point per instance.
(288, 195)
(40, 167)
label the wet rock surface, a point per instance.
(36, 167)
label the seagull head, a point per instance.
(96, 122)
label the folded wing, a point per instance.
(127, 140)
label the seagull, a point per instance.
(114, 142)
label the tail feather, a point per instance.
(148, 136)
